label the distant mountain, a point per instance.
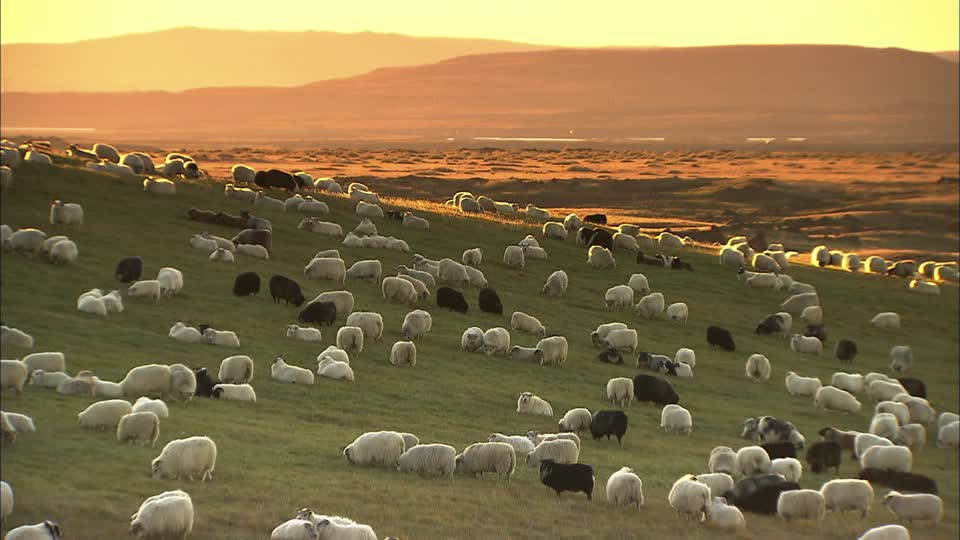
(708, 94)
(953, 56)
(183, 58)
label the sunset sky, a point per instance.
(926, 25)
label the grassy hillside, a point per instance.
(284, 452)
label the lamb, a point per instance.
(723, 460)
(47, 361)
(884, 425)
(835, 399)
(719, 515)
(802, 386)
(556, 284)
(167, 514)
(806, 345)
(350, 339)
(104, 414)
(496, 341)
(403, 353)
(141, 426)
(847, 494)
(150, 379)
(513, 257)
(283, 372)
(601, 258)
(44, 379)
(156, 406)
(343, 300)
(472, 339)
(528, 324)
(377, 448)
(401, 291)
(901, 359)
(676, 419)
(579, 419)
(26, 240)
(881, 390)
(234, 392)
(758, 368)
(801, 504)
(224, 338)
(326, 268)
(15, 337)
(416, 324)
(864, 441)
(689, 497)
(333, 369)
(789, 468)
(171, 280)
(369, 322)
(620, 390)
(185, 458)
(753, 460)
(948, 436)
(46, 530)
(528, 403)
(66, 213)
(236, 370)
(552, 350)
(147, 288)
(850, 382)
(496, 457)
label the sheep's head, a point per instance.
(156, 468)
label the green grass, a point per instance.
(283, 452)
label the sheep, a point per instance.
(812, 315)
(472, 257)
(624, 340)
(864, 441)
(618, 297)
(948, 436)
(171, 280)
(234, 392)
(156, 406)
(620, 390)
(835, 399)
(624, 488)
(283, 372)
(159, 186)
(850, 382)
(478, 458)
(894, 458)
(321, 227)
(236, 369)
(676, 419)
(946, 418)
(669, 240)
(46, 530)
(625, 242)
(528, 403)
(884, 425)
(920, 410)
(369, 322)
(719, 515)
(881, 390)
(313, 206)
(689, 497)
(914, 387)
(224, 338)
(326, 268)
(365, 228)
(789, 468)
(472, 339)
(15, 337)
(765, 263)
(601, 258)
(678, 313)
(556, 284)
(46, 379)
(21, 423)
(717, 482)
(945, 272)
(143, 426)
(528, 324)
(403, 353)
(333, 369)
(183, 382)
(723, 460)
(298, 529)
(520, 443)
(758, 368)
(924, 287)
(537, 438)
(886, 532)
(377, 448)
(913, 436)
(579, 419)
(553, 350)
(147, 380)
(426, 277)
(104, 414)
(496, 341)
(303, 333)
(37, 157)
(343, 300)
(801, 504)
(335, 353)
(184, 333)
(6, 501)
(149, 288)
(106, 388)
(439, 459)
(564, 451)
(802, 386)
(419, 286)
(63, 252)
(398, 290)
(66, 213)
(453, 272)
(901, 359)
(845, 439)
(806, 345)
(185, 458)
(369, 210)
(539, 214)
(292, 204)
(847, 494)
(253, 250)
(535, 253)
(753, 460)
(416, 324)
(603, 330)
(350, 339)
(513, 257)
(83, 384)
(650, 306)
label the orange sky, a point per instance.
(925, 25)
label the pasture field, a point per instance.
(284, 452)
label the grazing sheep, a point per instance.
(901, 359)
(63, 252)
(669, 240)
(850, 382)
(495, 457)
(604, 330)
(924, 287)
(720, 337)
(676, 419)
(789, 468)
(334, 369)
(624, 488)
(416, 324)
(46, 530)
(151, 379)
(528, 324)
(26, 240)
(553, 229)
(812, 316)
(148, 289)
(948, 436)
(159, 186)
(156, 406)
(326, 268)
(141, 426)
(723, 460)
(886, 532)
(429, 459)
(884, 425)
(369, 210)
(689, 497)
(81, 385)
(556, 284)
(472, 257)
(20, 423)
(236, 370)
(183, 383)
(378, 448)
(401, 291)
(419, 286)
(823, 455)
(802, 386)
(864, 441)
(186, 458)
(845, 439)
(47, 361)
(528, 403)
(552, 350)
(403, 353)
(881, 390)
(578, 420)
(489, 301)
(104, 414)
(624, 340)
(717, 482)
(572, 222)
(472, 339)
(801, 504)
(677, 312)
(920, 410)
(6, 501)
(806, 345)
(620, 391)
(798, 302)
(719, 515)
(496, 341)
(601, 258)
(15, 337)
(520, 443)
(625, 242)
(369, 322)
(350, 339)
(946, 418)
(758, 367)
(224, 338)
(753, 460)
(847, 494)
(564, 451)
(513, 257)
(835, 399)
(171, 280)
(913, 436)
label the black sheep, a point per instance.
(599, 219)
(720, 337)
(230, 220)
(286, 289)
(584, 235)
(205, 216)
(678, 264)
(261, 237)
(824, 454)
(759, 494)
(610, 357)
(773, 324)
(567, 477)
(846, 350)
(451, 299)
(205, 382)
(490, 301)
(191, 169)
(914, 387)
(777, 450)
(818, 331)
(601, 238)
(654, 389)
(607, 423)
(319, 312)
(900, 481)
(395, 215)
(129, 269)
(275, 178)
(246, 284)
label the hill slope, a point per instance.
(708, 94)
(284, 452)
(182, 58)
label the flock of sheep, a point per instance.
(769, 471)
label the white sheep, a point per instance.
(159, 186)
(104, 414)
(481, 457)
(947, 418)
(398, 290)
(66, 213)
(528, 403)
(790, 468)
(198, 241)
(601, 258)
(343, 300)
(618, 297)
(556, 284)
(297, 529)
(185, 458)
(26, 240)
(913, 436)
(321, 227)
(527, 324)
(520, 443)
(268, 203)
(92, 305)
(678, 313)
(403, 353)
(886, 320)
(47, 361)
(624, 488)
(812, 315)
(224, 338)
(886, 532)
(46, 379)
(151, 379)
(416, 324)
(552, 350)
(689, 497)
(883, 390)
(623, 340)
(365, 228)
(303, 333)
(6, 501)
(496, 341)
(924, 287)
(802, 386)
(429, 459)
(419, 286)
(253, 250)
(20, 422)
(835, 399)
(15, 337)
(864, 441)
(513, 257)
(921, 412)
(676, 419)
(292, 204)
(453, 272)
(472, 257)
(149, 288)
(625, 242)
(578, 420)
(184, 333)
(851, 382)
(948, 436)
(156, 406)
(236, 369)
(369, 322)
(620, 391)
(884, 425)
(806, 344)
(171, 280)
(326, 268)
(723, 460)
(758, 368)
(143, 426)
(283, 372)
(369, 210)
(765, 263)
(222, 255)
(650, 306)
(529, 240)
(732, 257)
(801, 504)
(63, 252)
(717, 482)
(892, 458)
(472, 339)
(553, 229)
(753, 460)
(572, 222)
(46, 530)
(535, 253)
(798, 302)
(350, 339)
(901, 358)
(538, 438)
(845, 494)
(239, 193)
(415, 222)
(669, 240)
(719, 515)
(331, 368)
(559, 450)
(378, 448)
